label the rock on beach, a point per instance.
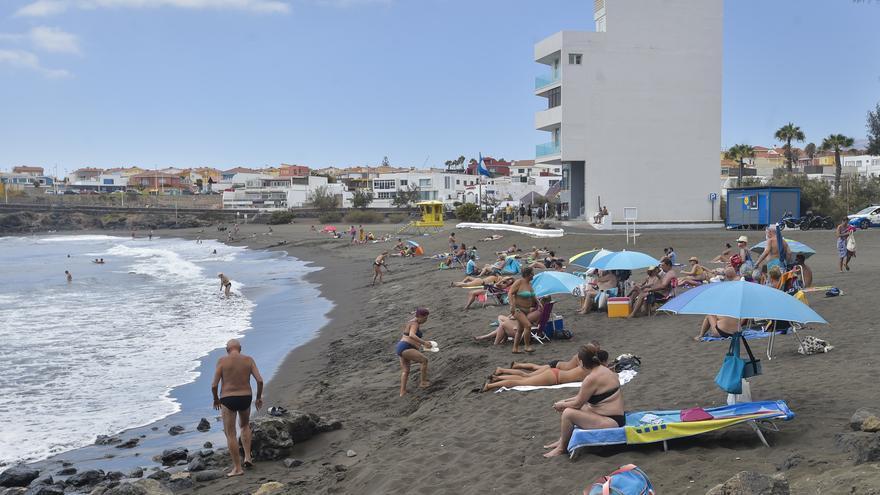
(18, 476)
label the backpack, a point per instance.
(627, 480)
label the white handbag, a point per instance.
(851, 243)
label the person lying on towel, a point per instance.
(545, 377)
(529, 369)
(598, 404)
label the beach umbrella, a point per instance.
(329, 228)
(584, 259)
(794, 246)
(740, 299)
(413, 243)
(548, 283)
(624, 260)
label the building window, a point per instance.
(447, 182)
(424, 182)
(386, 195)
(383, 184)
(575, 58)
(457, 182)
(402, 182)
(521, 171)
(554, 97)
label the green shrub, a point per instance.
(468, 212)
(397, 217)
(330, 217)
(280, 217)
(359, 217)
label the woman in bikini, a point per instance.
(378, 263)
(507, 326)
(408, 350)
(724, 257)
(718, 326)
(598, 404)
(541, 378)
(530, 369)
(697, 273)
(522, 301)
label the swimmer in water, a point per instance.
(225, 284)
(69, 276)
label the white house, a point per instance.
(865, 165)
(633, 112)
(266, 192)
(432, 185)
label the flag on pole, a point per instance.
(481, 169)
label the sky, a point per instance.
(222, 83)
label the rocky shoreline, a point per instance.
(178, 469)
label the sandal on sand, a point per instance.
(530, 349)
(247, 464)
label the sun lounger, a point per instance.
(624, 376)
(670, 426)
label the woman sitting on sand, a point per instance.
(697, 273)
(408, 350)
(507, 326)
(522, 300)
(501, 285)
(598, 404)
(724, 257)
(494, 268)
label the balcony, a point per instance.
(547, 149)
(544, 81)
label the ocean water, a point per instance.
(106, 352)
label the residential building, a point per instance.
(432, 185)
(84, 174)
(31, 171)
(267, 192)
(156, 182)
(293, 170)
(228, 174)
(864, 165)
(106, 181)
(624, 101)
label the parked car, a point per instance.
(868, 217)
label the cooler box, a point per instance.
(618, 307)
(554, 324)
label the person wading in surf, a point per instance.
(234, 371)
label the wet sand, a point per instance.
(451, 439)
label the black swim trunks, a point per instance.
(553, 363)
(237, 402)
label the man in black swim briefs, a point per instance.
(234, 370)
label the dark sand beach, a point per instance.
(451, 439)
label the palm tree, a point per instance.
(836, 142)
(788, 133)
(739, 153)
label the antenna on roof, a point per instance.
(426, 161)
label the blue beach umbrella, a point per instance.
(741, 299)
(548, 283)
(584, 259)
(413, 243)
(794, 246)
(624, 260)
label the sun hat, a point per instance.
(743, 238)
(693, 258)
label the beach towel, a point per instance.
(747, 334)
(624, 376)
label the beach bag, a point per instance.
(851, 243)
(812, 345)
(832, 292)
(695, 414)
(752, 366)
(602, 300)
(729, 377)
(627, 480)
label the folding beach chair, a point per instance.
(660, 301)
(500, 295)
(538, 330)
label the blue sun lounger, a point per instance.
(635, 432)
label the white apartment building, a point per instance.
(265, 192)
(634, 109)
(432, 186)
(864, 165)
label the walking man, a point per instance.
(234, 370)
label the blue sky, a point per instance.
(341, 82)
